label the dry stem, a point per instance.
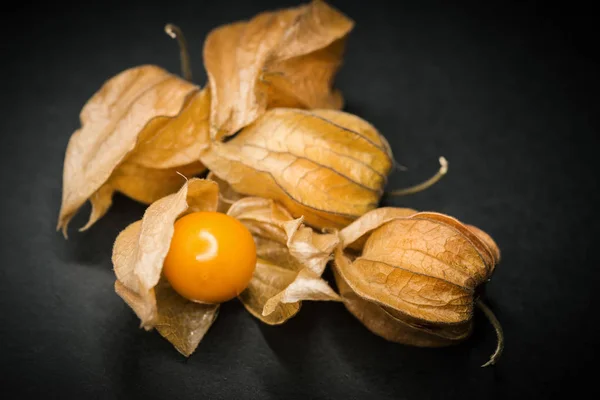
(423, 185)
(500, 335)
(186, 66)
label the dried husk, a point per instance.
(145, 126)
(227, 196)
(291, 260)
(410, 277)
(382, 322)
(326, 165)
(138, 257)
(415, 277)
(285, 58)
(142, 128)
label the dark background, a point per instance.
(507, 92)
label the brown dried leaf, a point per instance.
(126, 141)
(291, 259)
(325, 165)
(138, 257)
(415, 279)
(285, 58)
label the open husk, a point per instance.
(291, 259)
(414, 276)
(285, 58)
(138, 257)
(142, 128)
(146, 126)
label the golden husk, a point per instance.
(291, 259)
(138, 132)
(285, 58)
(326, 165)
(413, 280)
(283, 160)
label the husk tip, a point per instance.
(62, 226)
(91, 221)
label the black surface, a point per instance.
(508, 93)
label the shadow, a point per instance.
(122, 348)
(291, 342)
(368, 358)
(324, 336)
(94, 246)
(130, 352)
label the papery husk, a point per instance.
(138, 132)
(227, 196)
(142, 184)
(382, 322)
(291, 259)
(415, 277)
(355, 235)
(285, 58)
(326, 165)
(138, 257)
(175, 142)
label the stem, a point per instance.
(186, 66)
(499, 334)
(423, 185)
(183, 176)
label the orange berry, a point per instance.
(211, 258)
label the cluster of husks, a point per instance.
(283, 160)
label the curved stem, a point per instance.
(183, 176)
(186, 66)
(423, 185)
(499, 334)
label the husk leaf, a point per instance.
(415, 277)
(383, 323)
(291, 259)
(138, 257)
(142, 128)
(285, 58)
(326, 165)
(227, 196)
